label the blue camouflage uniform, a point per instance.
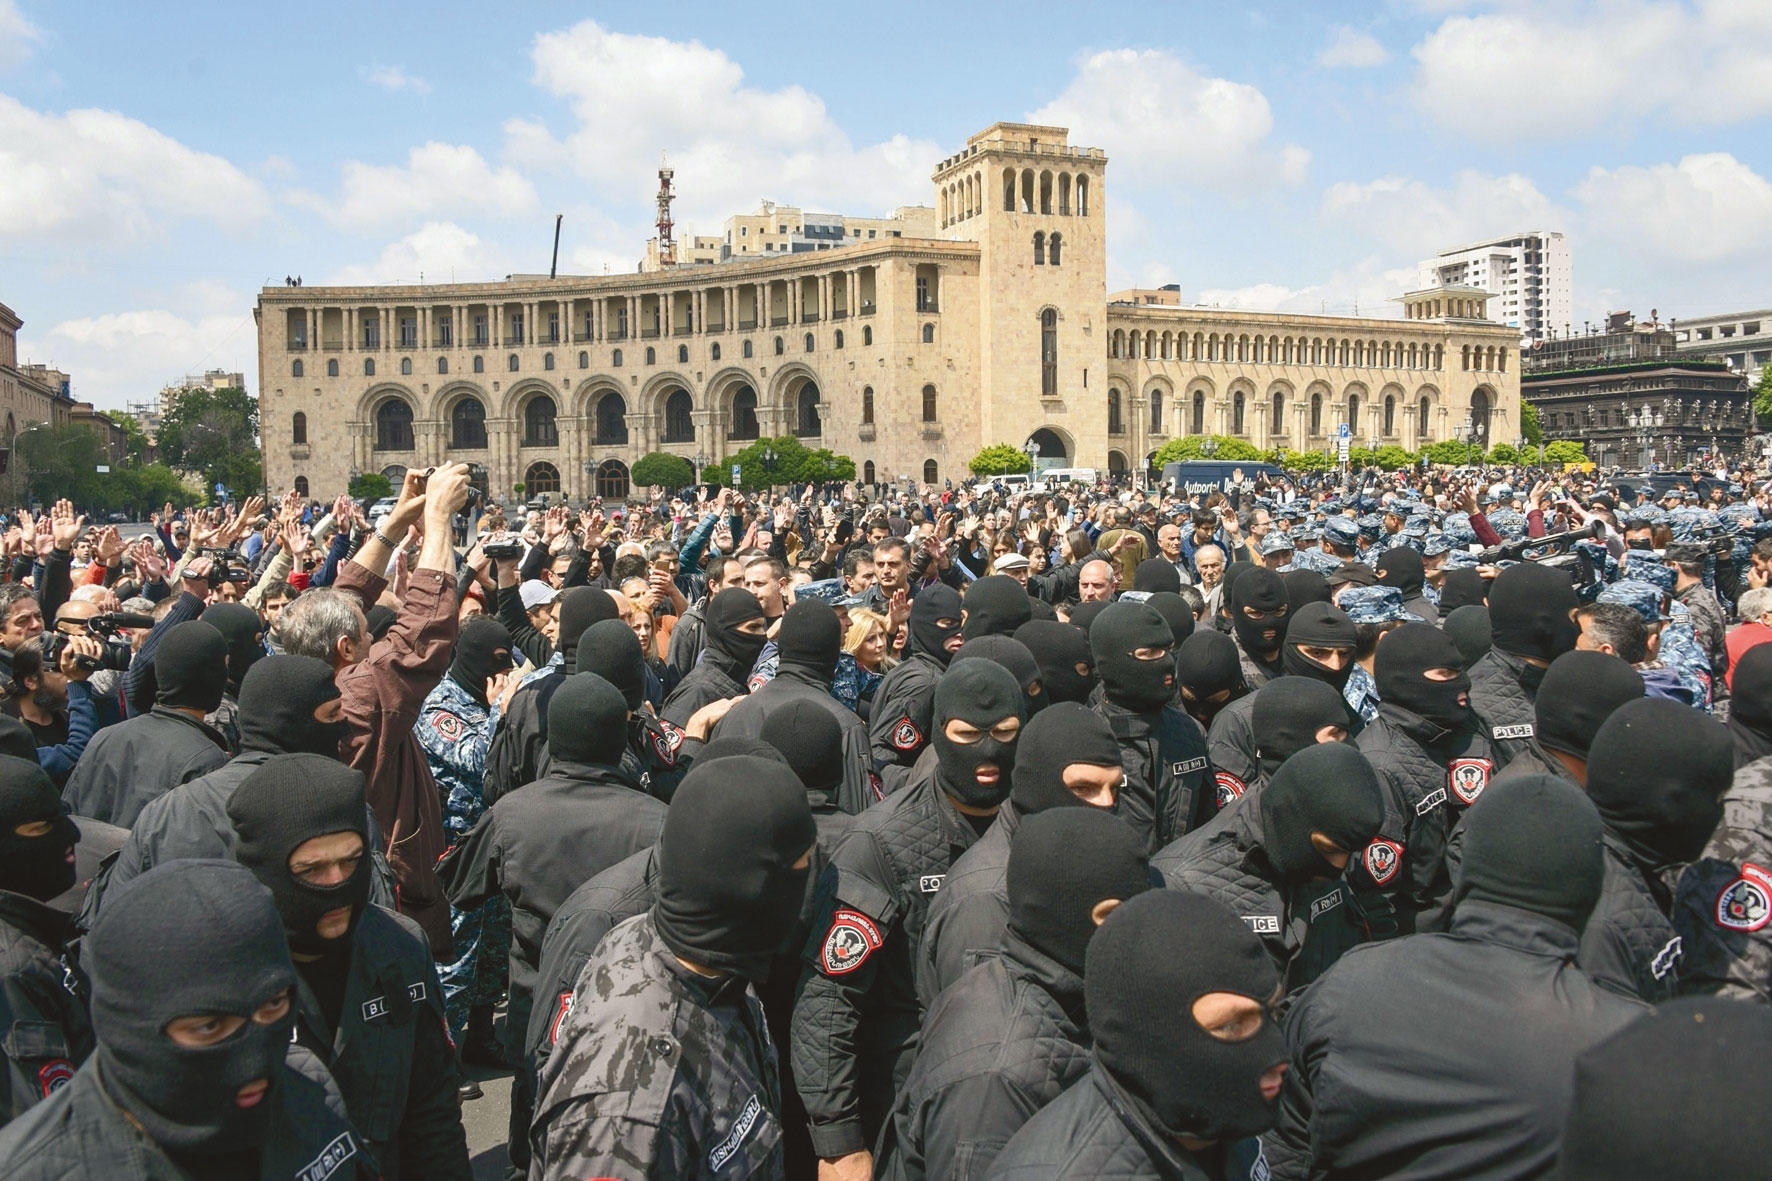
(1375, 605)
(1681, 672)
(454, 731)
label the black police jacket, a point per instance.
(391, 1054)
(970, 915)
(1507, 708)
(127, 765)
(903, 711)
(1170, 786)
(1630, 944)
(44, 1032)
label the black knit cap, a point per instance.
(1402, 568)
(1013, 655)
(1533, 842)
(810, 639)
(1175, 612)
(1579, 692)
(191, 666)
(1063, 864)
(576, 609)
(1328, 788)
(1670, 1096)
(1065, 733)
(809, 738)
(610, 649)
(1462, 587)
(1305, 586)
(995, 605)
(1657, 771)
(1287, 714)
(1529, 609)
(1156, 574)
(1058, 649)
(1469, 628)
(587, 721)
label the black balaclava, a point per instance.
(576, 609)
(1144, 686)
(728, 649)
(1013, 655)
(1657, 772)
(1469, 628)
(288, 800)
(17, 740)
(277, 703)
(1156, 574)
(1287, 714)
(1061, 866)
(1083, 615)
(1399, 668)
(1059, 648)
(185, 938)
(728, 897)
(482, 651)
(809, 738)
(1151, 960)
(378, 619)
(1664, 1097)
(980, 693)
(191, 667)
(1067, 733)
(1206, 665)
(1533, 842)
(1750, 710)
(935, 602)
(1462, 587)
(1175, 612)
(995, 605)
(1262, 589)
(731, 745)
(1401, 567)
(240, 627)
(810, 639)
(1579, 692)
(1305, 586)
(1320, 625)
(1529, 608)
(37, 867)
(610, 649)
(1328, 788)
(588, 721)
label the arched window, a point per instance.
(332, 368)
(867, 335)
(547, 360)
(612, 479)
(584, 359)
(682, 354)
(612, 420)
(928, 334)
(539, 428)
(679, 419)
(393, 426)
(931, 473)
(714, 352)
(1156, 412)
(298, 430)
(479, 363)
(836, 339)
(929, 404)
(1115, 425)
(295, 369)
(867, 472)
(368, 366)
(615, 358)
(744, 414)
(1039, 248)
(651, 355)
(1390, 416)
(780, 348)
(1353, 414)
(1008, 193)
(442, 364)
(747, 350)
(1237, 413)
(1199, 424)
(1316, 414)
(1421, 419)
(541, 479)
(467, 425)
(301, 486)
(1279, 412)
(867, 406)
(1053, 248)
(1082, 196)
(806, 423)
(1049, 353)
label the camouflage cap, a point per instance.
(1341, 531)
(1373, 604)
(1642, 597)
(1277, 542)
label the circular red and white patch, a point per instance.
(55, 1075)
(1746, 903)
(1383, 859)
(1227, 788)
(852, 938)
(1469, 778)
(906, 736)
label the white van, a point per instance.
(1058, 475)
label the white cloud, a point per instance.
(19, 38)
(437, 252)
(1706, 209)
(437, 180)
(100, 175)
(730, 144)
(1414, 219)
(1352, 49)
(1571, 69)
(119, 357)
(1164, 123)
(394, 78)
(1366, 288)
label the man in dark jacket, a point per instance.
(810, 640)
(1280, 860)
(1258, 607)
(1170, 1094)
(47, 1034)
(1451, 1055)
(1010, 1034)
(132, 763)
(733, 874)
(1169, 786)
(1209, 674)
(1580, 691)
(1066, 757)
(1531, 623)
(733, 639)
(1657, 772)
(539, 844)
(368, 1001)
(857, 1016)
(899, 728)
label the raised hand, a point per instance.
(64, 526)
(107, 546)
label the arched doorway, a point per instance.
(1116, 464)
(541, 478)
(679, 422)
(612, 480)
(612, 420)
(806, 423)
(867, 472)
(1480, 415)
(1052, 453)
(744, 414)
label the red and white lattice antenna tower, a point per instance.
(667, 247)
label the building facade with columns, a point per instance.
(990, 325)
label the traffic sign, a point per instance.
(735, 473)
(1344, 433)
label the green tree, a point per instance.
(1763, 397)
(659, 469)
(1226, 448)
(142, 488)
(135, 440)
(374, 486)
(1530, 429)
(1306, 461)
(1565, 451)
(999, 459)
(825, 466)
(1451, 452)
(1393, 458)
(787, 459)
(214, 432)
(64, 462)
(1504, 453)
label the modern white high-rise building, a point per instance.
(1528, 272)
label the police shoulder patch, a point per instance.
(666, 741)
(852, 938)
(54, 1075)
(1522, 731)
(1746, 903)
(1383, 858)
(1666, 959)
(906, 736)
(561, 1013)
(1430, 801)
(1469, 777)
(450, 726)
(1227, 788)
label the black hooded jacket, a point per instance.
(903, 711)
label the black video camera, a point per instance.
(103, 628)
(226, 564)
(507, 548)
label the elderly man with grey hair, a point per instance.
(1209, 560)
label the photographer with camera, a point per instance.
(54, 701)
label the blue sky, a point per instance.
(158, 163)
